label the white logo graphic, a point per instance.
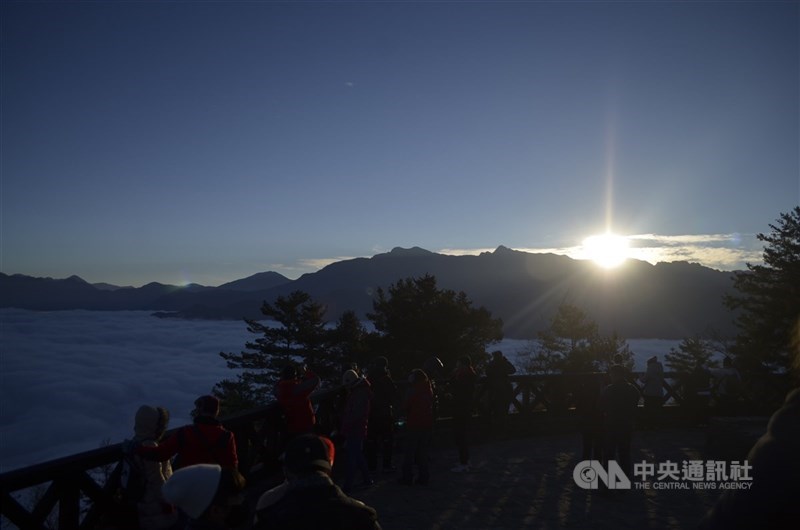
(589, 473)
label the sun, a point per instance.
(607, 250)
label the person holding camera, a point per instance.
(293, 392)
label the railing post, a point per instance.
(69, 509)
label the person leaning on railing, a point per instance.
(206, 441)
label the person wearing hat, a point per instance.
(275, 494)
(153, 511)
(355, 420)
(653, 390)
(309, 498)
(206, 441)
(210, 495)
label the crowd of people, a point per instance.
(192, 478)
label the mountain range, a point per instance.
(637, 300)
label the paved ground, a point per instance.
(527, 483)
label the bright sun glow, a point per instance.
(607, 250)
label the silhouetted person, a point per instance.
(380, 435)
(212, 496)
(727, 387)
(140, 504)
(498, 387)
(653, 390)
(773, 500)
(587, 406)
(462, 390)
(418, 409)
(354, 427)
(434, 369)
(293, 392)
(206, 441)
(618, 402)
(271, 496)
(311, 500)
(697, 393)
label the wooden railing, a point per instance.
(78, 491)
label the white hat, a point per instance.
(193, 488)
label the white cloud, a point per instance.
(76, 378)
(72, 379)
(319, 263)
(718, 251)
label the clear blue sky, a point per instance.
(207, 141)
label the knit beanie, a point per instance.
(193, 488)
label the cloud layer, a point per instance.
(72, 379)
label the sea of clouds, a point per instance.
(70, 380)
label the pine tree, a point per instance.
(572, 343)
(294, 333)
(692, 352)
(768, 299)
(415, 320)
(348, 341)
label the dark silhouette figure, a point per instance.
(418, 409)
(434, 368)
(355, 420)
(772, 500)
(380, 436)
(206, 441)
(499, 387)
(727, 387)
(310, 499)
(653, 391)
(462, 390)
(697, 393)
(587, 407)
(618, 402)
(293, 392)
(140, 493)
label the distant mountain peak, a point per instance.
(503, 250)
(77, 279)
(413, 251)
(257, 282)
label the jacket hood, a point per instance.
(151, 422)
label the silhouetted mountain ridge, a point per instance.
(638, 300)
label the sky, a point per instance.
(131, 359)
(207, 141)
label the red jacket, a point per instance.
(206, 441)
(293, 397)
(419, 406)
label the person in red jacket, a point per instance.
(293, 391)
(418, 407)
(206, 441)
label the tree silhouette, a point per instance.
(572, 343)
(768, 299)
(692, 352)
(294, 333)
(416, 320)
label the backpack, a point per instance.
(132, 480)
